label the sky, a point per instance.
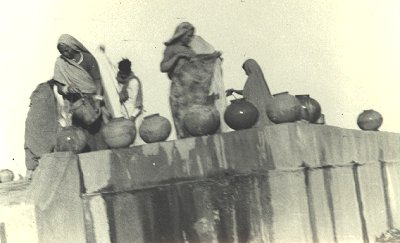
(344, 53)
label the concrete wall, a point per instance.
(292, 182)
(283, 183)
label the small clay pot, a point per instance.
(369, 120)
(154, 128)
(241, 114)
(6, 176)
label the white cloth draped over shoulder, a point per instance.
(108, 73)
(200, 46)
(112, 89)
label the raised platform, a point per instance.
(289, 182)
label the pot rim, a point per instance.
(152, 115)
(281, 93)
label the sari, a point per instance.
(82, 75)
(69, 72)
(256, 91)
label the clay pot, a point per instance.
(154, 128)
(119, 132)
(72, 139)
(310, 109)
(201, 120)
(283, 108)
(369, 120)
(84, 111)
(241, 114)
(6, 176)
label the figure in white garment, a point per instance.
(122, 88)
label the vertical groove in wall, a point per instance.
(3, 238)
(310, 203)
(360, 203)
(88, 221)
(87, 213)
(268, 209)
(328, 189)
(384, 177)
(111, 217)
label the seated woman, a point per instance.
(191, 75)
(77, 76)
(255, 91)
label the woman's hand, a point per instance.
(229, 92)
(97, 106)
(123, 96)
(184, 55)
(217, 54)
(102, 48)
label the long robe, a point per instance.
(190, 83)
(200, 46)
(256, 91)
(41, 125)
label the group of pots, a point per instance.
(117, 133)
(203, 120)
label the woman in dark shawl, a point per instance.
(255, 91)
(191, 75)
(41, 124)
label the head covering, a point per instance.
(70, 41)
(256, 90)
(180, 30)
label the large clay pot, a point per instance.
(310, 109)
(119, 132)
(369, 120)
(241, 114)
(283, 108)
(72, 139)
(154, 128)
(201, 120)
(6, 176)
(84, 111)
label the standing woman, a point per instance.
(255, 91)
(191, 75)
(77, 75)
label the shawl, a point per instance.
(180, 30)
(70, 73)
(256, 89)
(41, 123)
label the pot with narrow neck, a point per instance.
(154, 128)
(369, 120)
(310, 109)
(284, 107)
(241, 114)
